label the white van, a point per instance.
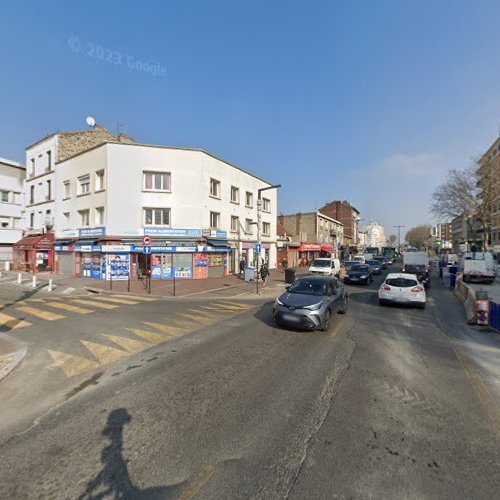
(325, 266)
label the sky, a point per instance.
(371, 101)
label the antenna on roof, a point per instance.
(90, 121)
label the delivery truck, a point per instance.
(478, 267)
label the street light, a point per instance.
(259, 217)
(399, 237)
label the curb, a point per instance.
(17, 356)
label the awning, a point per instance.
(327, 248)
(40, 241)
(86, 242)
(63, 242)
(218, 243)
(310, 247)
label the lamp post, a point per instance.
(259, 218)
(399, 237)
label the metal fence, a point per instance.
(494, 315)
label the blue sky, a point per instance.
(369, 101)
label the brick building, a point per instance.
(347, 215)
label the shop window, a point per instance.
(4, 196)
(249, 199)
(266, 228)
(99, 180)
(235, 194)
(235, 222)
(156, 181)
(66, 189)
(266, 205)
(84, 185)
(84, 217)
(215, 188)
(157, 216)
(214, 220)
(99, 216)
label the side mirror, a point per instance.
(288, 287)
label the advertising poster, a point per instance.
(155, 267)
(86, 265)
(118, 266)
(200, 261)
(183, 272)
(95, 269)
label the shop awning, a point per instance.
(310, 247)
(86, 242)
(327, 248)
(63, 242)
(218, 243)
(40, 241)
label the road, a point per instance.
(391, 403)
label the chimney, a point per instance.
(126, 139)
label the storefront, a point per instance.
(310, 251)
(34, 253)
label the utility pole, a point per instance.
(399, 237)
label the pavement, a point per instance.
(206, 398)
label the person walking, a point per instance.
(285, 263)
(264, 273)
(242, 268)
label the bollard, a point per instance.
(50, 286)
(19, 278)
(34, 281)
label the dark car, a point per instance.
(376, 266)
(421, 271)
(362, 273)
(348, 264)
(383, 261)
(309, 303)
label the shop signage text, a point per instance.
(92, 231)
(170, 231)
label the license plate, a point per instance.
(354, 279)
(290, 317)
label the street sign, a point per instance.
(258, 247)
(146, 241)
(146, 250)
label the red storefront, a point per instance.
(310, 251)
(34, 253)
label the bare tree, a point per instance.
(419, 236)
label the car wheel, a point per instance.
(422, 306)
(343, 307)
(381, 302)
(326, 321)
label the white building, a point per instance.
(12, 175)
(374, 235)
(199, 211)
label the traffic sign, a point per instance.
(258, 247)
(146, 250)
(146, 240)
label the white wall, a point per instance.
(11, 181)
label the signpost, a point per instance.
(146, 250)
(258, 248)
(146, 241)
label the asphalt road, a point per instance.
(391, 403)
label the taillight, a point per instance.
(417, 289)
(403, 270)
(385, 287)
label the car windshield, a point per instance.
(401, 282)
(350, 263)
(414, 268)
(373, 263)
(308, 287)
(360, 268)
(321, 263)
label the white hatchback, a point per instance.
(402, 288)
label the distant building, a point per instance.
(347, 215)
(12, 176)
(374, 235)
(465, 234)
(442, 235)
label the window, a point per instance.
(84, 217)
(32, 220)
(214, 220)
(84, 185)
(156, 181)
(235, 194)
(266, 228)
(157, 216)
(49, 190)
(99, 216)
(248, 226)
(214, 188)
(32, 167)
(4, 196)
(66, 189)
(266, 205)
(49, 160)
(66, 219)
(5, 224)
(249, 199)
(235, 222)
(32, 195)
(99, 180)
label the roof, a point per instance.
(166, 147)
(12, 163)
(317, 212)
(40, 241)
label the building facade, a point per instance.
(348, 216)
(442, 236)
(374, 235)
(12, 176)
(465, 235)
(198, 211)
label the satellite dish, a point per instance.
(90, 121)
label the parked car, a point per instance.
(422, 272)
(310, 302)
(375, 265)
(383, 261)
(326, 267)
(362, 273)
(402, 288)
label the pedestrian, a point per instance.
(264, 273)
(285, 263)
(242, 268)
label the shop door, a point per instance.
(65, 260)
(215, 265)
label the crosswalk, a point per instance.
(117, 345)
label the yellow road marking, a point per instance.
(36, 300)
(201, 320)
(72, 365)
(93, 303)
(104, 353)
(233, 305)
(168, 329)
(218, 309)
(69, 307)
(135, 297)
(206, 314)
(129, 345)
(12, 323)
(119, 301)
(154, 338)
(197, 484)
(49, 316)
(190, 326)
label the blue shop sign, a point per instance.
(170, 231)
(221, 234)
(140, 249)
(92, 231)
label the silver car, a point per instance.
(310, 302)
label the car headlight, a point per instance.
(278, 302)
(313, 307)
(363, 277)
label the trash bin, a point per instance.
(249, 273)
(453, 276)
(289, 275)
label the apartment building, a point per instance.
(347, 215)
(373, 235)
(442, 233)
(199, 211)
(12, 176)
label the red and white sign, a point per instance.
(146, 241)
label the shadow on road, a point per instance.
(113, 480)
